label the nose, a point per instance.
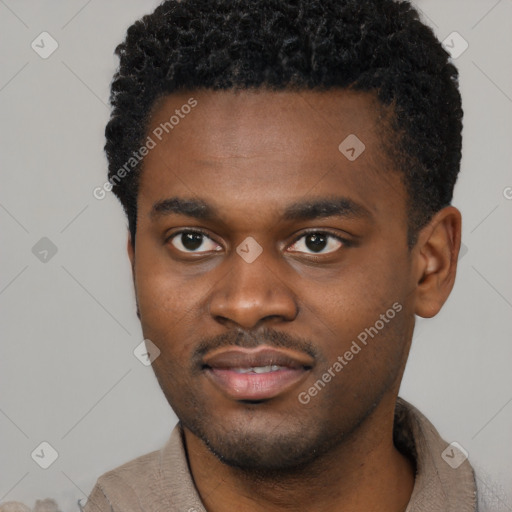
(253, 293)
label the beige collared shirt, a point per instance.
(161, 481)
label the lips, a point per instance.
(256, 374)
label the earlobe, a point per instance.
(436, 254)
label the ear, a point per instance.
(436, 253)
(130, 249)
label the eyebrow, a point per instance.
(300, 210)
(326, 207)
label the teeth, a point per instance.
(258, 369)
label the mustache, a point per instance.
(245, 339)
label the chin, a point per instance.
(266, 450)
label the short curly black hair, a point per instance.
(380, 46)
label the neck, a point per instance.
(364, 472)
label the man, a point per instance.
(287, 170)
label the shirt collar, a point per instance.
(438, 485)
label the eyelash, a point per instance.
(345, 242)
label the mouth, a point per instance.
(256, 374)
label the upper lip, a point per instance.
(237, 357)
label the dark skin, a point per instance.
(250, 156)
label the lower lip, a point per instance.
(255, 386)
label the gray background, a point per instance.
(68, 374)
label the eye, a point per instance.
(190, 241)
(317, 242)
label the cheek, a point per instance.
(168, 304)
(163, 293)
(356, 294)
(360, 303)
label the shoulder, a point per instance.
(133, 473)
(121, 487)
(157, 481)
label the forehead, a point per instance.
(230, 120)
(268, 144)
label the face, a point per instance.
(271, 269)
